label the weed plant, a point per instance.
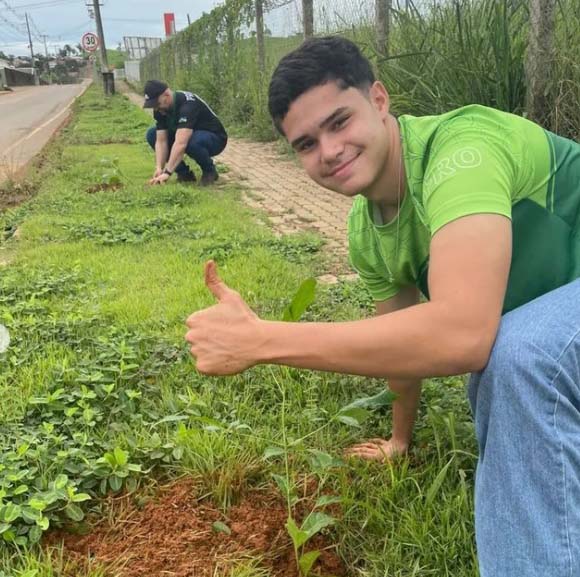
(98, 393)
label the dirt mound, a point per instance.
(176, 534)
(15, 192)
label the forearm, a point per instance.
(161, 153)
(421, 341)
(176, 156)
(405, 408)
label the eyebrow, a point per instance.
(329, 120)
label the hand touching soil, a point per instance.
(377, 450)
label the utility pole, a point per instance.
(101, 35)
(108, 78)
(44, 37)
(31, 50)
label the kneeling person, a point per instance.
(185, 124)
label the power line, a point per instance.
(8, 7)
(11, 35)
(70, 30)
(47, 4)
(12, 25)
(37, 33)
(139, 20)
(20, 18)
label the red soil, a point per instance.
(173, 535)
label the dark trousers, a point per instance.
(201, 147)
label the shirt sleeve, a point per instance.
(469, 171)
(188, 114)
(161, 121)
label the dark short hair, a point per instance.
(315, 62)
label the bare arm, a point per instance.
(182, 137)
(451, 334)
(408, 391)
(161, 151)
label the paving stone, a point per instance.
(283, 186)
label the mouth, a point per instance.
(343, 169)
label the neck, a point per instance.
(388, 190)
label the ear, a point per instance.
(379, 97)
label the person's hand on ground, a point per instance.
(161, 179)
(224, 338)
(157, 172)
(377, 450)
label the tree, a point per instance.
(260, 35)
(308, 16)
(69, 50)
(383, 25)
(539, 59)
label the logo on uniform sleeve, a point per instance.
(147, 97)
(182, 119)
(464, 158)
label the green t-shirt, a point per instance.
(469, 161)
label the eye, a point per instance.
(305, 146)
(339, 123)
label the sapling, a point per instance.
(353, 414)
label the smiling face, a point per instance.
(341, 136)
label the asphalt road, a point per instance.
(29, 116)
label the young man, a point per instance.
(185, 124)
(480, 211)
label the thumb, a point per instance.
(213, 282)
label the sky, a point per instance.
(65, 21)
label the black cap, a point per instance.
(153, 89)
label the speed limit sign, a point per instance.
(90, 41)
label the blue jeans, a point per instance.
(201, 147)
(526, 405)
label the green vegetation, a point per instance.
(441, 55)
(98, 393)
(116, 58)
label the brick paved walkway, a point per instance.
(275, 184)
(293, 203)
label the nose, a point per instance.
(331, 148)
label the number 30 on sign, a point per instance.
(90, 41)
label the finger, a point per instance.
(368, 454)
(383, 447)
(361, 449)
(206, 368)
(190, 337)
(214, 283)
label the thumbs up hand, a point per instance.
(224, 338)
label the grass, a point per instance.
(98, 384)
(442, 55)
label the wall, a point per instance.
(14, 77)
(132, 71)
